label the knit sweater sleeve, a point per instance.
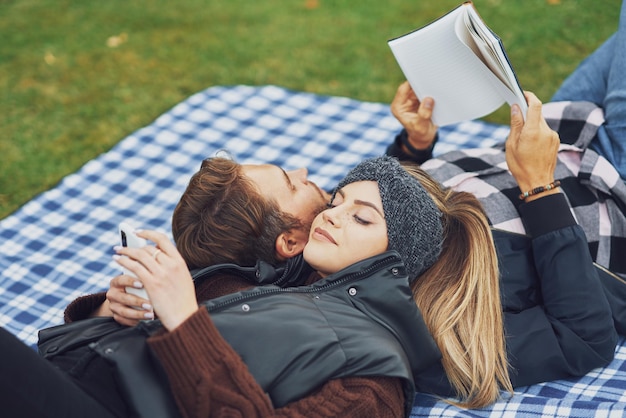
(209, 379)
(83, 307)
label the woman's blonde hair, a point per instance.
(459, 297)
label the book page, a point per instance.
(482, 46)
(494, 56)
(437, 63)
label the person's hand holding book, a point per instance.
(531, 151)
(415, 116)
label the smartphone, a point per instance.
(128, 238)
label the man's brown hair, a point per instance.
(222, 218)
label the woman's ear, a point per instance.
(291, 243)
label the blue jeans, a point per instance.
(600, 79)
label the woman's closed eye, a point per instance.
(360, 220)
(360, 213)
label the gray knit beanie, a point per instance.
(413, 220)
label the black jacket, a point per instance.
(557, 317)
(361, 321)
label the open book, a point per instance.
(461, 63)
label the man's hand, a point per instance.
(415, 116)
(531, 149)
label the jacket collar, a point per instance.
(291, 273)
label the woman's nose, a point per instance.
(330, 216)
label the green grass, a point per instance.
(65, 96)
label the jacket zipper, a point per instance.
(610, 273)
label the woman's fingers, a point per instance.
(127, 308)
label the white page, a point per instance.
(438, 64)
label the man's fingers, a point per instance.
(403, 89)
(534, 116)
(401, 96)
(517, 123)
(425, 111)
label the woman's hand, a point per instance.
(127, 308)
(164, 275)
(531, 149)
(415, 116)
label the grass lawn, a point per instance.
(76, 77)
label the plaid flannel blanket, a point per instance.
(59, 245)
(594, 189)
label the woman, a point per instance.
(347, 351)
(373, 207)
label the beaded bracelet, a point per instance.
(540, 189)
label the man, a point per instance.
(229, 213)
(592, 186)
(240, 214)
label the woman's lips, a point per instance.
(320, 233)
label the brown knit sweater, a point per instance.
(209, 379)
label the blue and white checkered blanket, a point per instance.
(59, 245)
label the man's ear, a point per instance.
(291, 243)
